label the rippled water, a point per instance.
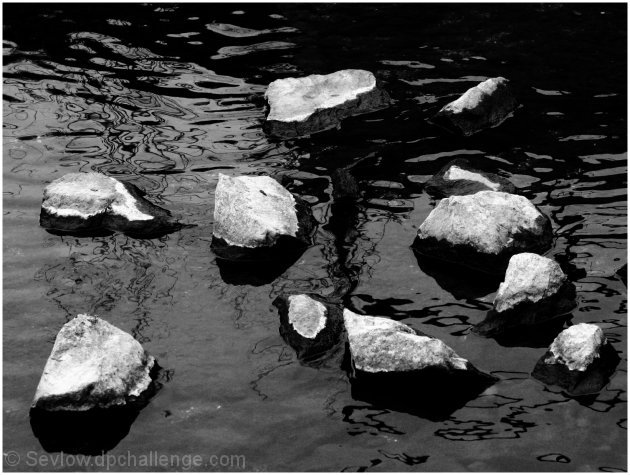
(166, 96)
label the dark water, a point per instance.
(160, 96)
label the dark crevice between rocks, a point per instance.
(579, 383)
(95, 431)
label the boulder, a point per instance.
(580, 360)
(93, 365)
(483, 231)
(256, 218)
(391, 364)
(93, 202)
(535, 290)
(459, 178)
(312, 326)
(486, 105)
(302, 106)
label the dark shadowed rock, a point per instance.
(302, 106)
(580, 361)
(484, 230)
(390, 364)
(256, 218)
(459, 178)
(88, 203)
(535, 290)
(486, 105)
(312, 326)
(93, 365)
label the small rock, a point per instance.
(256, 218)
(459, 178)
(93, 365)
(483, 231)
(302, 106)
(535, 290)
(310, 325)
(580, 360)
(93, 202)
(486, 105)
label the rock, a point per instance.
(580, 360)
(459, 178)
(535, 290)
(93, 202)
(483, 231)
(302, 106)
(312, 326)
(256, 218)
(391, 364)
(93, 365)
(486, 105)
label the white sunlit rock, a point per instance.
(577, 347)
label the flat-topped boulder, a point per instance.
(580, 360)
(486, 105)
(484, 230)
(535, 290)
(460, 178)
(256, 218)
(311, 325)
(92, 203)
(93, 365)
(306, 105)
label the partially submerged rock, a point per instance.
(311, 325)
(93, 202)
(459, 178)
(580, 360)
(486, 105)
(93, 365)
(482, 231)
(535, 290)
(256, 218)
(302, 106)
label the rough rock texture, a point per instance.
(93, 365)
(302, 106)
(484, 230)
(535, 290)
(486, 105)
(311, 325)
(93, 202)
(459, 178)
(254, 215)
(580, 360)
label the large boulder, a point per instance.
(93, 365)
(459, 178)
(312, 326)
(256, 218)
(483, 231)
(302, 106)
(580, 360)
(486, 105)
(393, 365)
(92, 202)
(535, 290)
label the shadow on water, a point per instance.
(533, 336)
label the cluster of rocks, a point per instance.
(480, 222)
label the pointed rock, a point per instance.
(303, 106)
(312, 326)
(93, 202)
(580, 360)
(93, 365)
(459, 178)
(483, 231)
(256, 218)
(535, 290)
(486, 105)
